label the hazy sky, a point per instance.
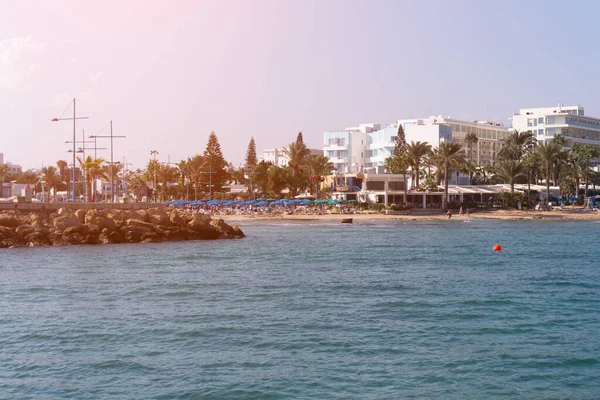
(169, 73)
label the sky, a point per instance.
(167, 73)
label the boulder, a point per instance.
(151, 238)
(177, 219)
(237, 232)
(107, 236)
(39, 237)
(141, 215)
(199, 221)
(6, 232)
(72, 230)
(158, 216)
(9, 221)
(81, 215)
(65, 221)
(25, 230)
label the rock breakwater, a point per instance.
(67, 227)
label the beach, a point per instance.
(577, 214)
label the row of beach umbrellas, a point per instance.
(257, 203)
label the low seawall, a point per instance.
(80, 206)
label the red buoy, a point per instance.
(497, 247)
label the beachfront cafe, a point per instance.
(388, 189)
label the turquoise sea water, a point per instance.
(306, 310)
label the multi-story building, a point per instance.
(435, 129)
(279, 158)
(353, 149)
(569, 121)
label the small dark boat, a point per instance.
(347, 221)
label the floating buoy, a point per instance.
(497, 247)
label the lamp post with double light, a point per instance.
(112, 175)
(74, 119)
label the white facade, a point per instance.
(569, 121)
(354, 149)
(278, 157)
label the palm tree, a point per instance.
(165, 175)
(93, 170)
(399, 164)
(260, 175)
(318, 166)
(50, 175)
(586, 152)
(65, 176)
(297, 154)
(548, 153)
(470, 140)
(448, 154)
(510, 171)
(112, 172)
(196, 168)
(517, 145)
(279, 178)
(136, 180)
(416, 152)
(183, 170)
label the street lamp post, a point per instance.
(112, 175)
(75, 118)
(43, 193)
(83, 172)
(154, 153)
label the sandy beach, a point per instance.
(568, 215)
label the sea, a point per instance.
(392, 309)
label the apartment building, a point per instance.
(569, 121)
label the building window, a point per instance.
(540, 120)
(529, 122)
(396, 185)
(375, 185)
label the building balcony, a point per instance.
(334, 147)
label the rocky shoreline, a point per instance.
(66, 227)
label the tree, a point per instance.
(299, 138)
(470, 140)
(448, 154)
(400, 142)
(65, 176)
(50, 175)
(510, 171)
(548, 154)
(3, 173)
(261, 176)
(278, 179)
(297, 154)
(318, 166)
(517, 145)
(214, 177)
(251, 159)
(195, 168)
(165, 175)
(93, 170)
(416, 152)
(586, 152)
(399, 164)
(183, 171)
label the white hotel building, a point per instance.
(278, 157)
(567, 120)
(351, 150)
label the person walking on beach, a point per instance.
(449, 213)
